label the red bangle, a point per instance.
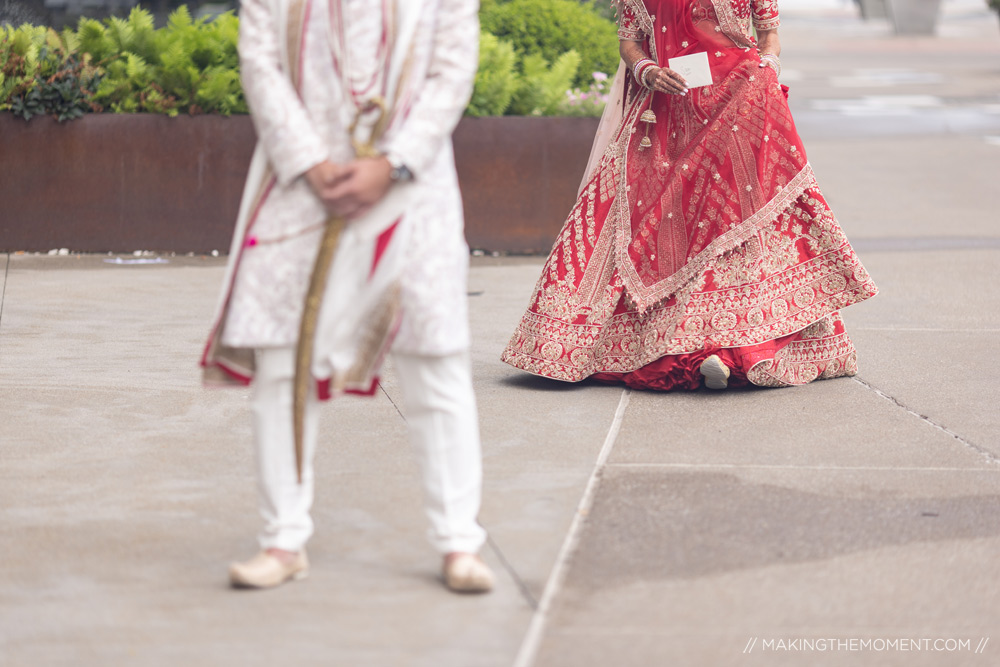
(641, 75)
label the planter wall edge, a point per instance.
(118, 182)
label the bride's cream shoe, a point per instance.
(716, 373)
(467, 573)
(267, 571)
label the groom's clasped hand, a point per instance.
(350, 190)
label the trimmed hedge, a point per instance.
(528, 64)
(550, 28)
(123, 66)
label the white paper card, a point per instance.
(694, 68)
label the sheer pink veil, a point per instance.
(607, 129)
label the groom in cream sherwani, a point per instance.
(354, 103)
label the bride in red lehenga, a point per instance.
(700, 246)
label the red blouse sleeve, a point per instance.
(765, 14)
(628, 25)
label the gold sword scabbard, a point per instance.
(317, 289)
(307, 332)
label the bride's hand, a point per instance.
(665, 80)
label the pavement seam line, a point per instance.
(925, 330)
(758, 466)
(533, 639)
(398, 411)
(525, 591)
(981, 451)
(532, 602)
(3, 293)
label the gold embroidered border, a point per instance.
(571, 351)
(645, 23)
(296, 20)
(801, 362)
(645, 297)
(216, 354)
(379, 330)
(731, 24)
(600, 266)
(769, 24)
(764, 14)
(631, 35)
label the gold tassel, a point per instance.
(649, 118)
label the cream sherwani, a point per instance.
(409, 292)
(299, 130)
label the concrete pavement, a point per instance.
(628, 528)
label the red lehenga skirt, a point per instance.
(715, 239)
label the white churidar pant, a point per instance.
(440, 410)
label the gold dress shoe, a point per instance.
(467, 573)
(716, 373)
(267, 571)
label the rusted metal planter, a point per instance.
(519, 178)
(121, 182)
(118, 183)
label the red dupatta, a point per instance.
(724, 158)
(714, 236)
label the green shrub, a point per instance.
(41, 72)
(542, 89)
(539, 90)
(603, 8)
(128, 66)
(589, 101)
(188, 66)
(124, 65)
(496, 79)
(19, 49)
(64, 89)
(550, 28)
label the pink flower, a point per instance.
(600, 76)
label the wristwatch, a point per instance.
(400, 172)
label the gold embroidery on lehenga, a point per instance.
(782, 296)
(733, 26)
(803, 361)
(717, 237)
(765, 14)
(643, 22)
(694, 154)
(649, 295)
